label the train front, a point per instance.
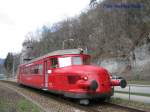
(86, 81)
(90, 82)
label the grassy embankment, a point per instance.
(20, 105)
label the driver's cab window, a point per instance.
(54, 63)
(64, 61)
(86, 61)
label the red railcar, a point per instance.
(69, 72)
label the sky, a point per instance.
(18, 17)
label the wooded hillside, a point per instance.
(111, 28)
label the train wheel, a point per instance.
(19, 84)
(84, 102)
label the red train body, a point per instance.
(68, 72)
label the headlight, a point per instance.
(85, 78)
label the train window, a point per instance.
(32, 70)
(36, 69)
(28, 70)
(40, 69)
(76, 61)
(86, 61)
(21, 70)
(54, 63)
(65, 61)
(24, 71)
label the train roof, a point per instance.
(59, 52)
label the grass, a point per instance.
(27, 106)
(21, 105)
(128, 103)
(139, 94)
(3, 106)
(142, 82)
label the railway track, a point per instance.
(48, 101)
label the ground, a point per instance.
(10, 101)
(133, 104)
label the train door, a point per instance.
(46, 75)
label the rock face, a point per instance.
(114, 65)
(137, 65)
(142, 56)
